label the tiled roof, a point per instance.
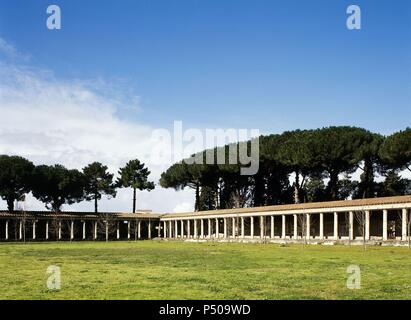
(90, 215)
(304, 206)
(284, 207)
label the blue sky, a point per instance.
(272, 65)
(117, 70)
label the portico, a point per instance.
(77, 226)
(377, 219)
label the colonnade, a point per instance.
(351, 225)
(15, 227)
(381, 219)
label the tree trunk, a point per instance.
(55, 207)
(218, 199)
(303, 223)
(10, 205)
(197, 204)
(135, 231)
(333, 185)
(95, 204)
(134, 199)
(259, 190)
(367, 179)
(297, 187)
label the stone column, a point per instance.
(336, 225)
(165, 229)
(252, 227)
(195, 229)
(234, 227)
(321, 226)
(188, 229)
(225, 228)
(118, 230)
(183, 229)
(272, 227)
(308, 231)
(295, 227)
(139, 229)
(404, 225)
(170, 229)
(72, 230)
(106, 230)
(34, 230)
(385, 225)
(209, 228)
(84, 230)
(242, 227)
(7, 229)
(95, 230)
(21, 230)
(351, 225)
(128, 230)
(175, 229)
(217, 228)
(262, 231)
(283, 233)
(59, 232)
(47, 230)
(367, 225)
(149, 228)
(202, 228)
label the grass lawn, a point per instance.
(174, 270)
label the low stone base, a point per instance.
(394, 243)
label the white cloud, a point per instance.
(184, 207)
(49, 120)
(63, 122)
(7, 48)
(10, 51)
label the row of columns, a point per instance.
(176, 228)
(94, 224)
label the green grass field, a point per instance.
(174, 270)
